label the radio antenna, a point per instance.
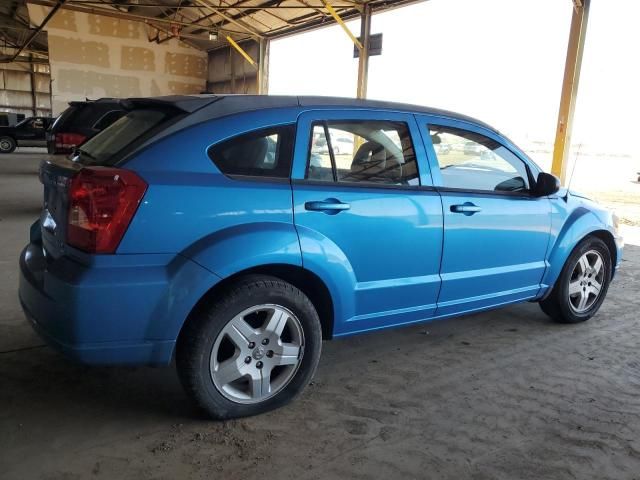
(573, 169)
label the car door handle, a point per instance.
(466, 208)
(330, 206)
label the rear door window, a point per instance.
(262, 153)
(367, 151)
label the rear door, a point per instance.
(367, 215)
(495, 232)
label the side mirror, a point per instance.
(546, 184)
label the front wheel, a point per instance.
(7, 144)
(251, 351)
(582, 285)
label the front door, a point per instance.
(367, 215)
(495, 232)
(32, 134)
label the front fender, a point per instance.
(578, 224)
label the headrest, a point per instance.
(251, 153)
(371, 162)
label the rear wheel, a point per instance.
(582, 285)
(7, 144)
(252, 351)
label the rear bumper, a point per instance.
(113, 310)
(109, 353)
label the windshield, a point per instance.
(119, 135)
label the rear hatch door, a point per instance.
(55, 175)
(110, 148)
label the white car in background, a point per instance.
(342, 145)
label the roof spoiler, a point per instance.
(74, 103)
(185, 103)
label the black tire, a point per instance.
(194, 348)
(557, 304)
(7, 144)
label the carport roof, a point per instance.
(194, 20)
(15, 29)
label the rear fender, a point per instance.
(324, 258)
(246, 246)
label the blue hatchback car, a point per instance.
(229, 233)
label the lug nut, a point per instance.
(247, 360)
(265, 341)
(258, 364)
(270, 354)
(252, 344)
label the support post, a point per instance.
(573, 64)
(232, 65)
(363, 58)
(34, 99)
(263, 67)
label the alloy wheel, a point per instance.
(257, 353)
(586, 282)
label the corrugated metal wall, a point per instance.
(230, 73)
(25, 89)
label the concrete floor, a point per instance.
(500, 395)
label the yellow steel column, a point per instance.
(572, 68)
(363, 58)
(337, 18)
(241, 51)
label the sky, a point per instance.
(501, 61)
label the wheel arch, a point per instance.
(607, 237)
(11, 136)
(574, 231)
(305, 280)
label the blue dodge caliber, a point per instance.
(235, 233)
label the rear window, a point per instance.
(82, 117)
(63, 118)
(108, 118)
(134, 127)
(263, 153)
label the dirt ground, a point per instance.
(500, 395)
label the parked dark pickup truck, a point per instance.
(28, 133)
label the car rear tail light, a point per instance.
(66, 141)
(102, 202)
